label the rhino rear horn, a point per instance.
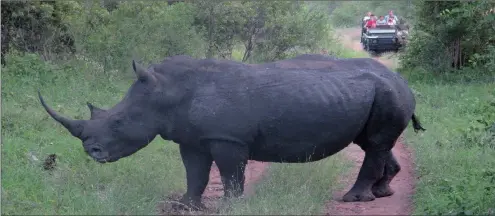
(75, 127)
(95, 111)
(141, 72)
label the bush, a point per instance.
(452, 35)
(36, 26)
(150, 30)
(481, 129)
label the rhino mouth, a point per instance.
(105, 160)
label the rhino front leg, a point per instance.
(198, 165)
(381, 188)
(371, 171)
(231, 159)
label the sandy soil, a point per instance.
(402, 184)
(214, 190)
(254, 171)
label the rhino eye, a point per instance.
(115, 125)
(84, 138)
(117, 122)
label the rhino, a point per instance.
(298, 110)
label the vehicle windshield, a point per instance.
(382, 35)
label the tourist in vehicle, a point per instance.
(367, 17)
(391, 15)
(381, 21)
(371, 23)
(391, 21)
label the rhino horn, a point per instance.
(95, 111)
(75, 127)
(141, 72)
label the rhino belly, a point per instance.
(297, 152)
(315, 123)
(309, 135)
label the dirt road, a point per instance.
(350, 38)
(214, 191)
(402, 184)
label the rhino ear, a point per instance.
(95, 111)
(141, 72)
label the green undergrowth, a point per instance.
(77, 184)
(455, 157)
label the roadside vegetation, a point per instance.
(449, 64)
(74, 52)
(455, 157)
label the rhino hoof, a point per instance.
(384, 191)
(358, 197)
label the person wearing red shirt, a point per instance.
(371, 23)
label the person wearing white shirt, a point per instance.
(381, 21)
(391, 21)
(391, 15)
(367, 17)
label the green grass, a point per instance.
(455, 161)
(133, 185)
(78, 185)
(293, 189)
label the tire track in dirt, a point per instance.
(400, 203)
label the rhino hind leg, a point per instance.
(231, 159)
(379, 165)
(381, 188)
(371, 171)
(197, 165)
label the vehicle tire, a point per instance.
(374, 53)
(368, 50)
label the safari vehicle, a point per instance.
(382, 38)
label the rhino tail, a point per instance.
(416, 124)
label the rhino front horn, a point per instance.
(75, 127)
(95, 111)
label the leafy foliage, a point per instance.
(452, 34)
(35, 26)
(150, 30)
(455, 157)
(113, 32)
(351, 13)
(105, 35)
(481, 130)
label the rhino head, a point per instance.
(125, 128)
